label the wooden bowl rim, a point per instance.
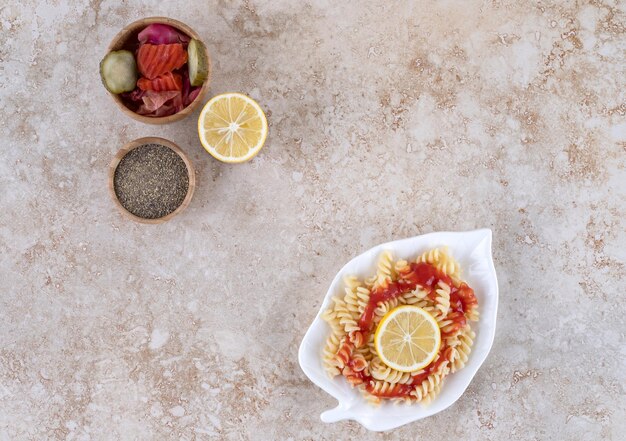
(137, 143)
(141, 23)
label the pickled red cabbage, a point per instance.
(158, 33)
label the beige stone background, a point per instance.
(387, 120)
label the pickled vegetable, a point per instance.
(167, 81)
(198, 63)
(156, 59)
(158, 33)
(154, 80)
(118, 71)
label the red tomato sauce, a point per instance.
(425, 275)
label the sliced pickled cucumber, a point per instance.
(198, 63)
(118, 71)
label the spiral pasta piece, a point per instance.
(347, 320)
(452, 323)
(351, 302)
(351, 283)
(442, 298)
(366, 352)
(430, 396)
(404, 400)
(359, 363)
(473, 314)
(430, 384)
(417, 297)
(370, 282)
(370, 398)
(351, 308)
(357, 338)
(385, 271)
(462, 349)
(400, 266)
(330, 317)
(362, 296)
(380, 371)
(383, 388)
(344, 354)
(328, 356)
(441, 260)
(371, 345)
(384, 307)
(430, 308)
(352, 376)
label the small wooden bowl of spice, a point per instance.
(157, 70)
(151, 180)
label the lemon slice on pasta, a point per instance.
(407, 338)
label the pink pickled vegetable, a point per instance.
(164, 110)
(134, 96)
(154, 100)
(189, 93)
(192, 95)
(158, 33)
(186, 85)
(162, 103)
(178, 104)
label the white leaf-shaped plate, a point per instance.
(472, 250)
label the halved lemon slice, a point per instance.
(407, 338)
(232, 127)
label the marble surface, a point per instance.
(387, 120)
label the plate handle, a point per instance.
(333, 415)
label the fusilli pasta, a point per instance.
(380, 371)
(440, 259)
(442, 298)
(350, 349)
(385, 269)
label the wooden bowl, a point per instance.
(137, 143)
(128, 36)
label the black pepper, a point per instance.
(151, 181)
